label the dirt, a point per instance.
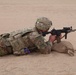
(20, 14)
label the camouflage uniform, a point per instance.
(25, 41)
(5, 46)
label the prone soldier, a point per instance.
(25, 41)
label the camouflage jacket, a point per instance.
(28, 39)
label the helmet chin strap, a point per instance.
(41, 32)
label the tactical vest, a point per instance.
(19, 39)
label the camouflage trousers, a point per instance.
(5, 47)
(5, 51)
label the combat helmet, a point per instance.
(43, 24)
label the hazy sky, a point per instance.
(36, 2)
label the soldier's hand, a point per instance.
(52, 38)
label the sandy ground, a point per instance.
(19, 14)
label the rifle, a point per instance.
(58, 32)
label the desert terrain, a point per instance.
(20, 14)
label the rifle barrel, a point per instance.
(73, 30)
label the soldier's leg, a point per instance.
(5, 46)
(3, 51)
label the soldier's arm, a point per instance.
(44, 47)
